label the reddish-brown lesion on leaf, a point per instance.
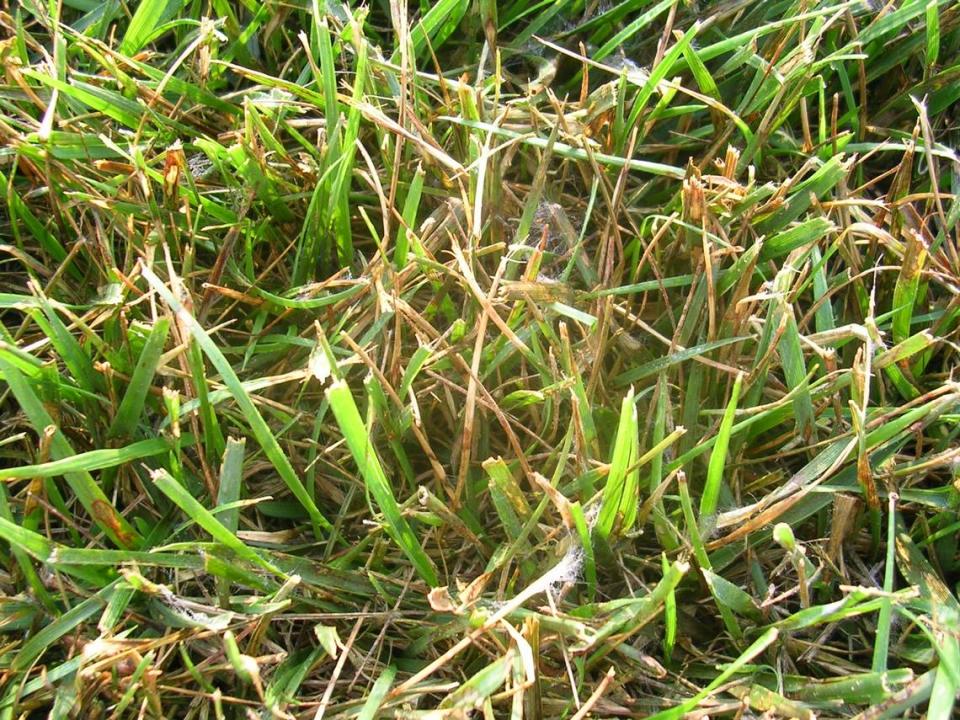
(108, 517)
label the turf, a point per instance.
(530, 360)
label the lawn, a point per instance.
(555, 359)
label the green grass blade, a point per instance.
(933, 34)
(806, 233)
(340, 188)
(32, 543)
(192, 508)
(586, 542)
(258, 425)
(623, 458)
(669, 616)
(659, 73)
(410, 206)
(703, 560)
(881, 646)
(365, 455)
(822, 181)
(635, 26)
(757, 647)
(662, 363)
(377, 694)
(131, 407)
(328, 69)
(92, 460)
(149, 15)
(24, 219)
(88, 492)
(74, 356)
(718, 458)
(213, 441)
(908, 282)
(111, 104)
(433, 28)
(33, 648)
(17, 536)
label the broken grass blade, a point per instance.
(231, 479)
(905, 291)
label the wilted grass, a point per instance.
(526, 360)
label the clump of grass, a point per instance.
(543, 361)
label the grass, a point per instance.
(553, 360)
